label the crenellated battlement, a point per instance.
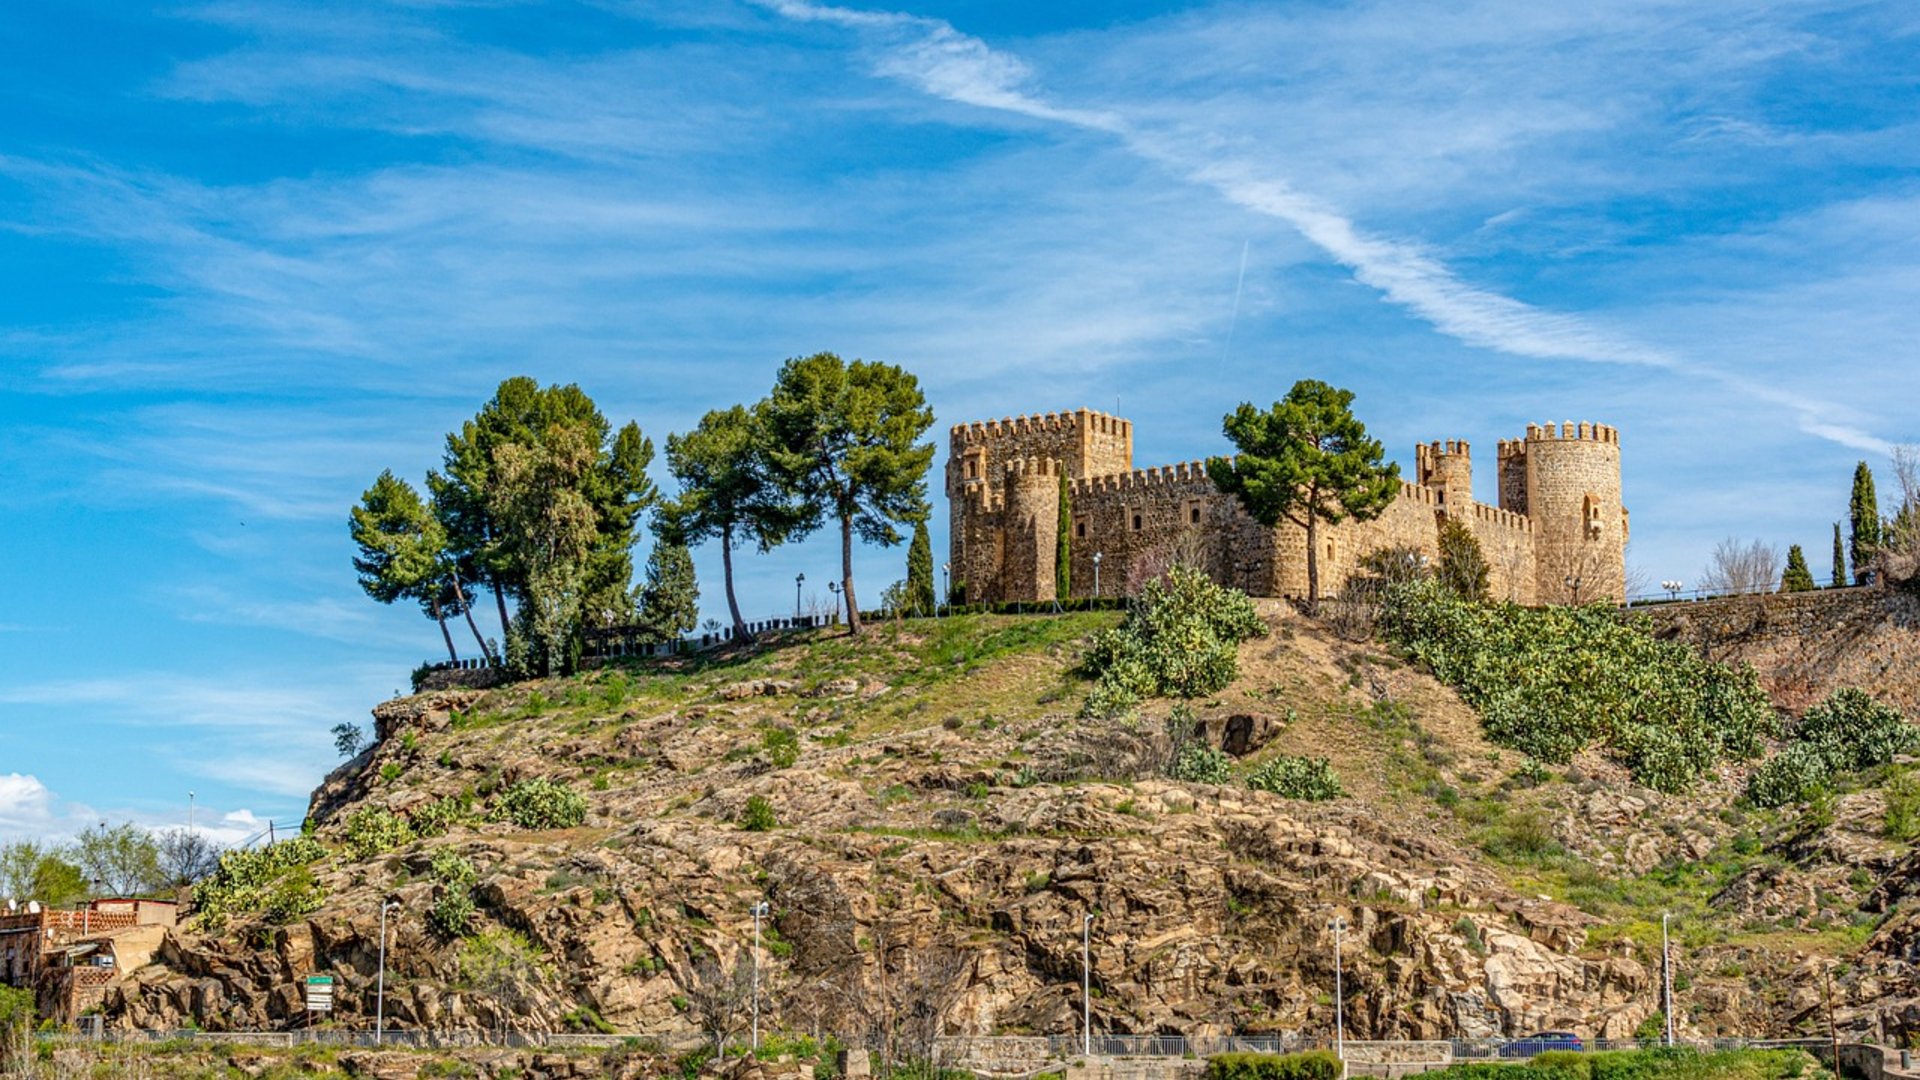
(1097, 423)
(1568, 431)
(1185, 472)
(1505, 519)
(1033, 466)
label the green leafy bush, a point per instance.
(371, 830)
(245, 877)
(294, 896)
(1292, 777)
(438, 816)
(781, 746)
(1847, 732)
(1199, 763)
(1313, 1065)
(1552, 681)
(16, 1025)
(758, 815)
(1178, 639)
(541, 803)
(451, 915)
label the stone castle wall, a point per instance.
(1003, 489)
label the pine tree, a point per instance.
(1863, 513)
(726, 493)
(1063, 545)
(669, 599)
(920, 571)
(1839, 558)
(1796, 578)
(1308, 460)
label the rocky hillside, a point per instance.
(929, 823)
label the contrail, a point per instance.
(931, 54)
(1238, 284)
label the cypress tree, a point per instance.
(1839, 558)
(1463, 566)
(920, 571)
(1797, 577)
(670, 598)
(1863, 513)
(1063, 545)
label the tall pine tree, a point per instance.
(920, 571)
(1797, 577)
(1863, 513)
(669, 598)
(1839, 558)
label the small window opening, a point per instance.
(1136, 523)
(1080, 530)
(1193, 515)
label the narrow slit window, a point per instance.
(1136, 523)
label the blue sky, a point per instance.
(253, 253)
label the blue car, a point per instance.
(1540, 1042)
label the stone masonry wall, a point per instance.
(1573, 499)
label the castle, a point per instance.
(1558, 535)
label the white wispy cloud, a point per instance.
(942, 61)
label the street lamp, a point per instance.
(1086, 984)
(946, 585)
(1096, 574)
(1673, 588)
(189, 813)
(1572, 582)
(798, 580)
(833, 587)
(759, 910)
(1339, 1006)
(380, 985)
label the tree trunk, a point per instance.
(466, 608)
(1313, 560)
(440, 617)
(500, 601)
(726, 572)
(846, 573)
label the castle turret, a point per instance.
(1032, 523)
(1572, 494)
(1447, 468)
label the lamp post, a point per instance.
(1339, 1005)
(189, 813)
(1096, 574)
(1666, 978)
(1572, 582)
(798, 580)
(1086, 984)
(380, 985)
(833, 587)
(1673, 588)
(946, 586)
(759, 911)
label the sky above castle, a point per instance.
(253, 253)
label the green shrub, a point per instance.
(296, 895)
(1291, 777)
(1313, 1065)
(16, 1025)
(1552, 681)
(1847, 732)
(1903, 808)
(541, 803)
(758, 815)
(371, 830)
(1178, 639)
(781, 746)
(1199, 763)
(438, 816)
(241, 883)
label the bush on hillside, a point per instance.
(451, 915)
(1847, 732)
(1312, 1065)
(1552, 681)
(371, 830)
(1289, 777)
(1198, 763)
(247, 876)
(541, 803)
(1178, 639)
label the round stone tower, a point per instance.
(1447, 468)
(1032, 528)
(1579, 524)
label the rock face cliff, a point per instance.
(930, 827)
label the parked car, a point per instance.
(1540, 1042)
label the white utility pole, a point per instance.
(759, 910)
(380, 986)
(1086, 984)
(189, 813)
(1096, 574)
(1666, 977)
(1339, 993)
